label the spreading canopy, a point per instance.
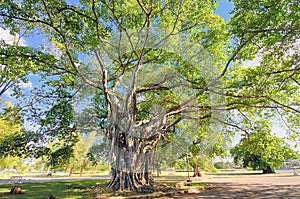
(142, 67)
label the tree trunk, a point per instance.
(268, 170)
(158, 172)
(81, 170)
(71, 171)
(131, 149)
(49, 172)
(131, 172)
(84, 163)
(196, 171)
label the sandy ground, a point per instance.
(284, 186)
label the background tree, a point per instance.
(14, 164)
(98, 153)
(203, 142)
(262, 150)
(80, 159)
(204, 152)
(17, 62)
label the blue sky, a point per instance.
(224, 8)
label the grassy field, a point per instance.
(61, 189)
(57, 175)
(72, 189)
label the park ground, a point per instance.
(228, 184)
(250, 185)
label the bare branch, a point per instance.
(230, 124)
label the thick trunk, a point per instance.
(268, 170)
(132, 173)
(196, 171)
(138, 182)
(131, 148)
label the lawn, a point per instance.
(61, 189)
(72, 189)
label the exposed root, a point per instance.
(50, 196)
(16, 190)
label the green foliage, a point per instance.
(19, 61)
(12, 136)
(80, 159)
(261, 150)
(268, 30)
(12, 140)
(9, 162)
(98, 153)
(271, 22)
(206, 144)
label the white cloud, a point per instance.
(11, 39)
(26, 85)
(252, 63)
(293, 49)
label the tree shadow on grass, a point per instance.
(60, 189)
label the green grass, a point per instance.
(197, 185)
(73, 189)
(243, 174)
(61, 189)
(6, 175)
(80, 189)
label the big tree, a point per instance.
(145, 66)
(262, 150)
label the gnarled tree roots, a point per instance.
(136, 182)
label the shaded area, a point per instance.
(60, 189)
(238, 191)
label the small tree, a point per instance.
(204, 150)
(262, 150)
(80, 160)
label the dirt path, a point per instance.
(242, 187)
(239, 191)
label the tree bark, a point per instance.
(131, 151)
(131, 173)
(71, 171)
(196, 171)
(268, 170)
